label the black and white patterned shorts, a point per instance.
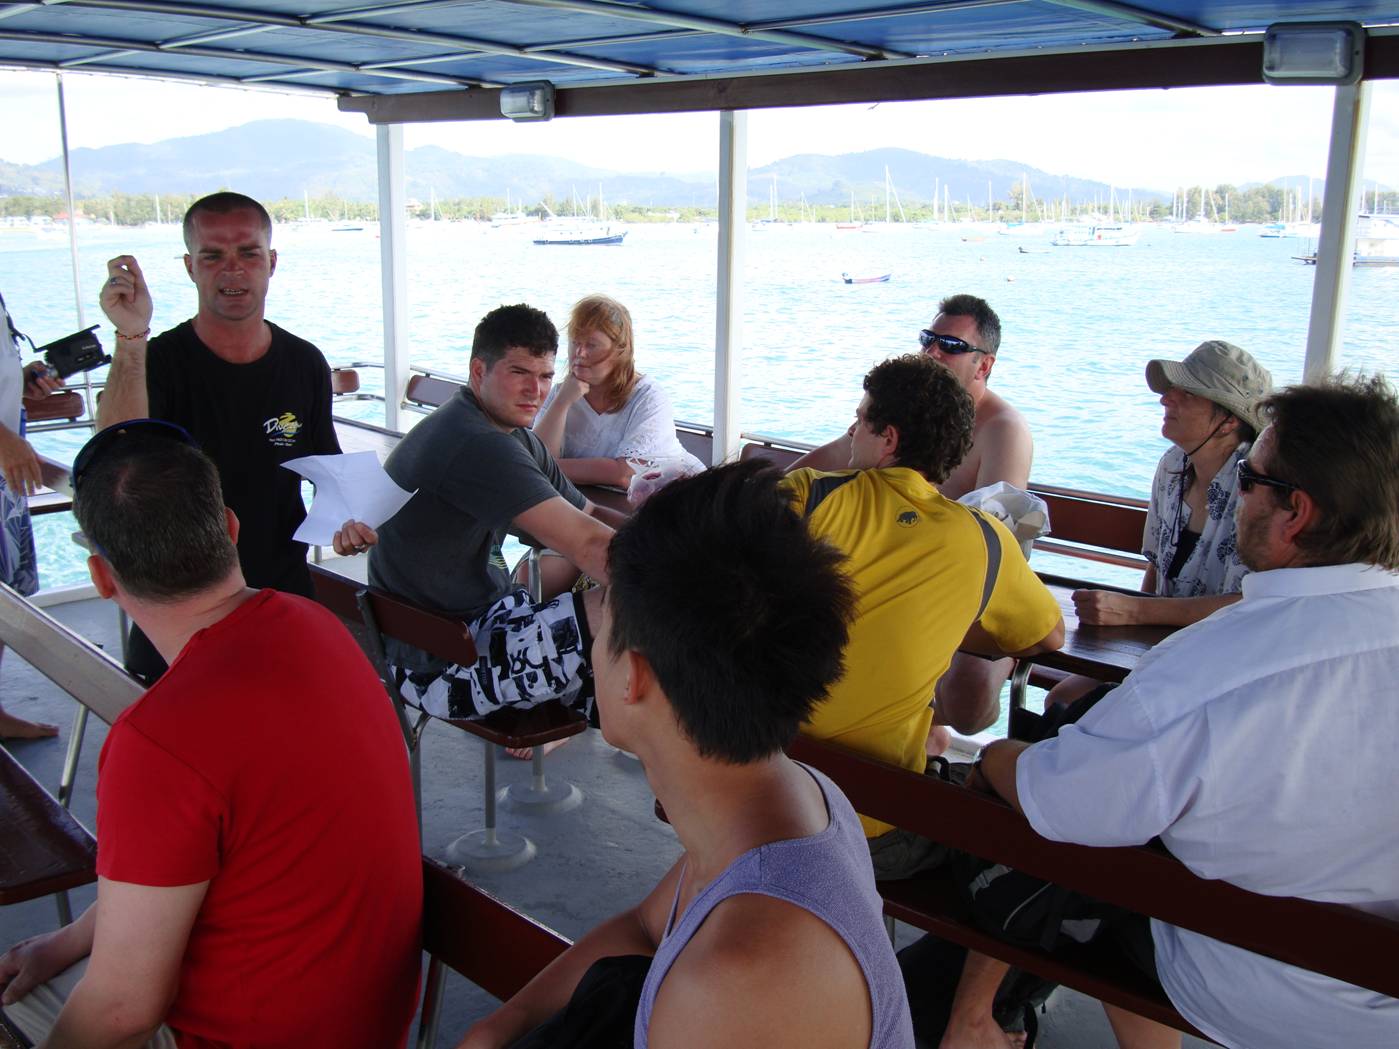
(526, 655)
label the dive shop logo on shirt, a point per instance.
(282, 429)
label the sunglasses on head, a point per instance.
(948, 344)
(105, 440)
(1248, 477)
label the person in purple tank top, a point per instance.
(722, 627)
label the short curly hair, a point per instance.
(508, 326)
(924, 401)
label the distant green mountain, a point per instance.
(274, 159)
(916, 177)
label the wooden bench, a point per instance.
(697, 439)
(1337, 941)
(489, 942)
(43, 849)
(344, 382)
(427, 391)
(1093, 527)
(62, 404)
(374, 615)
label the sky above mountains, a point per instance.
(1159, 139)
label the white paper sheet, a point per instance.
(352, 486)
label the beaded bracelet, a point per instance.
(133, 338)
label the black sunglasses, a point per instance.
(1248, 477)
(948, 344)
(105, 439)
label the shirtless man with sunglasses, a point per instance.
(964, 336)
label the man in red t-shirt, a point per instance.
(239, 899)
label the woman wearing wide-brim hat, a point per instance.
(1211, 416)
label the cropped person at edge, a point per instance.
(236, 904)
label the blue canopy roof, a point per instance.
(435, 45)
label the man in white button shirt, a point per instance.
(1260, 743)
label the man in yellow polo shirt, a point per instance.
(932, 576)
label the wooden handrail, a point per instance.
(70, 661)
(486, 940)
(1340, 942)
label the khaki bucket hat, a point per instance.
(1220, 372)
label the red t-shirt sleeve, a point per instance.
(159, 821)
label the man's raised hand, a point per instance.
(125, 298)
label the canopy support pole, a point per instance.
(88, 397)
(393, 267)
(72, 210)
(1336, 247)
(728, 320)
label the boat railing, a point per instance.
(1090, 526)
(1093, 526)
(85, 421)
(70, 661)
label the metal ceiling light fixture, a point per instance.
(530, 101)
(1313, 52)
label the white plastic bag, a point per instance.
(650, 476)
(1026, 515)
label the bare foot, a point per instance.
(527, 753)
(12, 727)
(939, 739)
(983, 1033)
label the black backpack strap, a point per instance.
(821, 489)
(993, 559)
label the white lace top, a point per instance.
(643, 429)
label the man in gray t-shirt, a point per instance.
(480, 472)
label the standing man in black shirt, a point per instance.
(252, 395)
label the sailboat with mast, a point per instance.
(1199, 224)
(584, 230)
(1110, 234)
(857, 220)
(517, 217)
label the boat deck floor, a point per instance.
(609, 850)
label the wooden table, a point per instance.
(43, 849)
(1105, 653)
(57, 493)
(612, 498)
(355, 436)
(1108, 653)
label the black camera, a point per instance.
(79, 352)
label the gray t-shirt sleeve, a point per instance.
(550, 468)
(495, 478)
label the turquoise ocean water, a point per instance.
(1079, 323)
